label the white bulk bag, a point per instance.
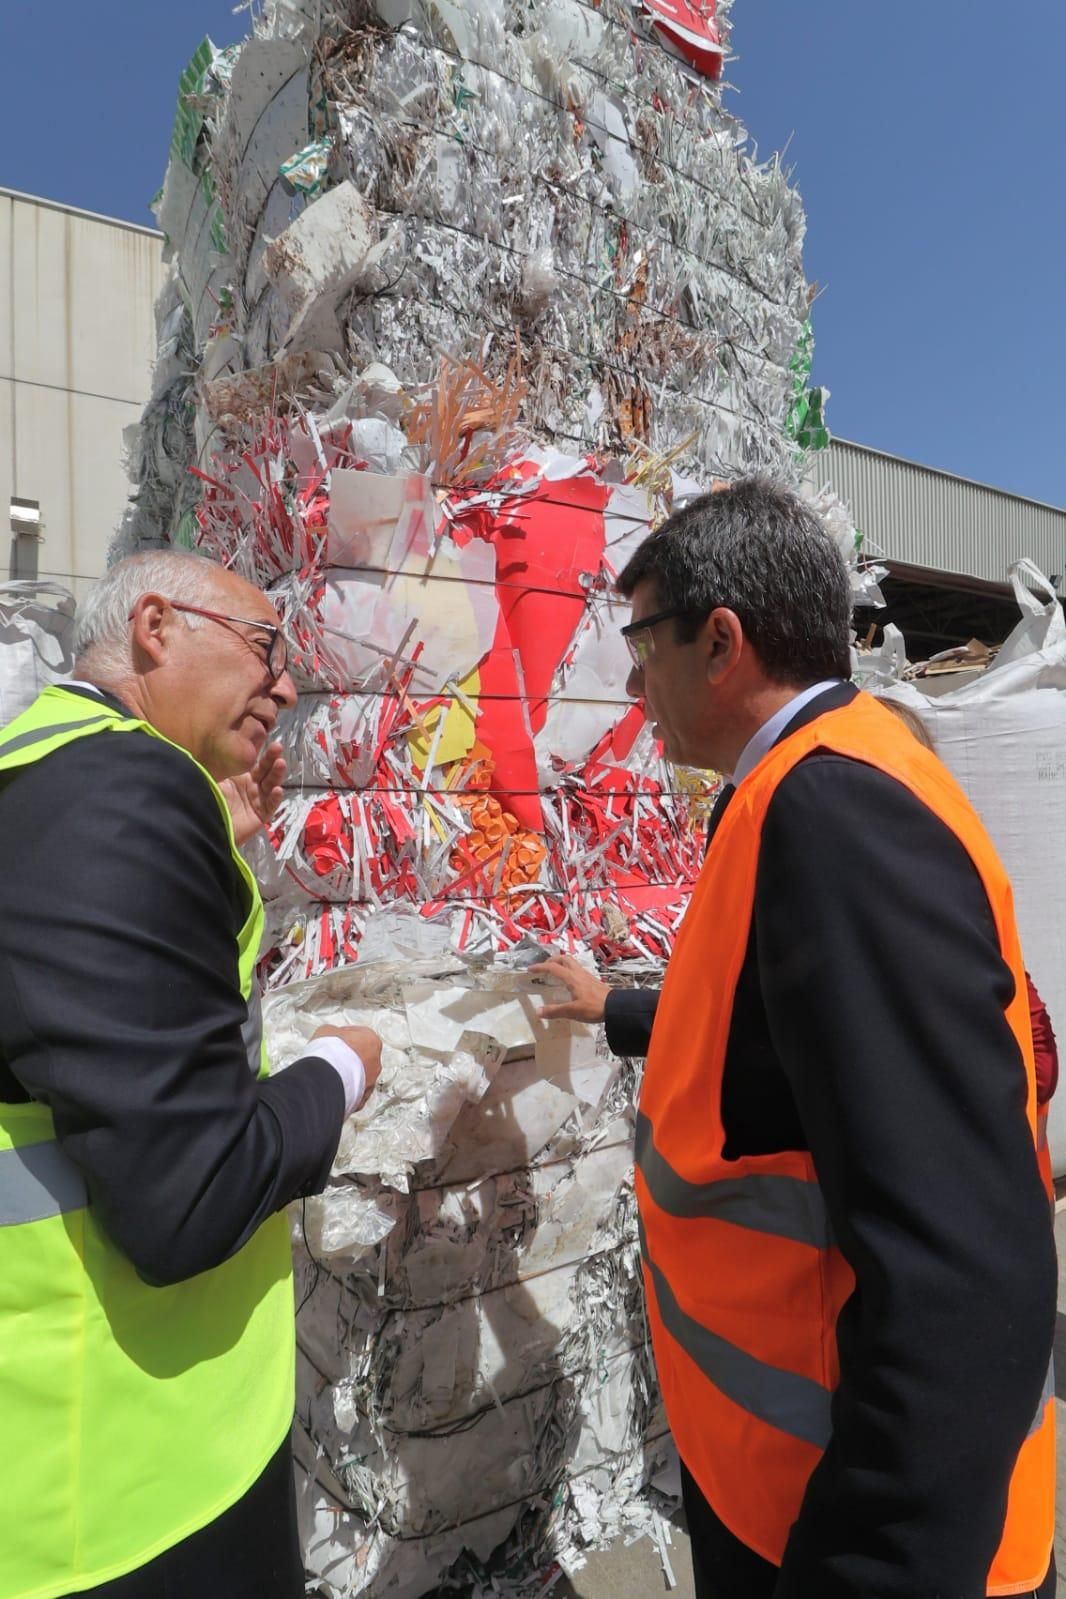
(1003, 735)
(35, 642)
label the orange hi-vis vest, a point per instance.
(744, 1283)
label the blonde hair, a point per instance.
(911, 721)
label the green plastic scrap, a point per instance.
(462, 94)
(189, 121)
(218, 224)
(306, 170)
(184, 536)
(806, 425)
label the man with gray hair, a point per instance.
(848, 1257)
(146, 1156)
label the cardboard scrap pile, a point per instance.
(463, 298)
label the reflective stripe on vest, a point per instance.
(252, 1031)
(41, 735)
(783, 1399)
(36, 1181)
(783, 1206)
(1047, 1392)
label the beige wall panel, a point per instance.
(114, 280)
(40, 264)
(7, 207)
(77, 341)
(84, 291)
(70, 458)
(43, 471)
(101, 487)
(7, 472)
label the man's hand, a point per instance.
(253, 798)
(367, 1046)
(588, 994)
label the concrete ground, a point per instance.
(634, 1573)
(637, 1572)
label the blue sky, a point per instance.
(926, 143)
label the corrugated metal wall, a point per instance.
(915, 513)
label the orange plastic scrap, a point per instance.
(493, 830)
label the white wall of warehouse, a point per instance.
(77, 343)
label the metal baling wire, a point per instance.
(556, 186)
(630, 220)
(317, 1265)
(561, 109)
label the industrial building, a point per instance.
(76, 352)
(77, 342)
(948, 544)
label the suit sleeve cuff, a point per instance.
(346, 1063)
(627, 1018)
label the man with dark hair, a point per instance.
(848, 1256)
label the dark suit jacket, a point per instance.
(869, 1029)
(120, 1006)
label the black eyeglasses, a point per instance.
(638, 635)
(277, 651)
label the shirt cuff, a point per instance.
(346, 1063)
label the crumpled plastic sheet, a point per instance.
(445, 1041)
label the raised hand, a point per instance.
(253, 798)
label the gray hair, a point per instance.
(755, 548)
(101, 626)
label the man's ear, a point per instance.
(151, 629)
(723, 638)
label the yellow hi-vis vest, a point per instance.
(131, 1416)
(744, 1280)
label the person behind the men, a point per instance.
(146, 1307)
(848, 1255)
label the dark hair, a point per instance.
(755, 548)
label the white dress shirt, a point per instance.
(770, 731)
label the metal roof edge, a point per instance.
(953, 477)
(78, 211)
(937, 577)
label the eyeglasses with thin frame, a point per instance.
(639, 638)
(277, 654)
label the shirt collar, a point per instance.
(771, 731)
